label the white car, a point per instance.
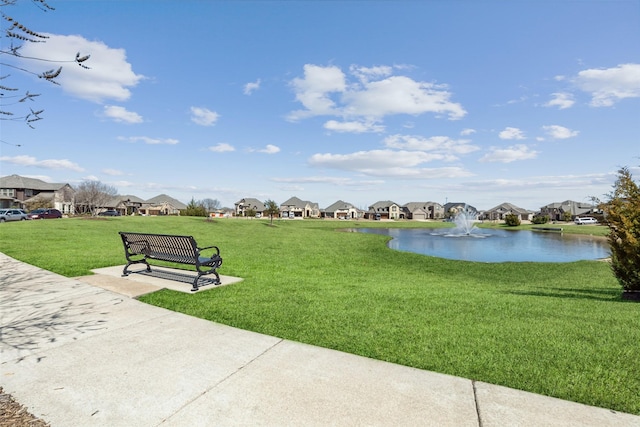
(13, 215)
(585, 220)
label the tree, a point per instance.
(195, 209)
(19, 33)
(94, 194)
(512, 220)
(622, 214)
(271, 209)
(37, 202)
(210, 205)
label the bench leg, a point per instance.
(200, 274)
(125, 272)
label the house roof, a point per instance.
(383, 204)
(253, 203)
(132, 198)
(456, 205)
(297, 203)
(163, 198)
(412, 206)
(339, 205)
(575, 208)
(508, 207)
(17, 181)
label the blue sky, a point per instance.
(483, 102)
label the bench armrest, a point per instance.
(210, 247)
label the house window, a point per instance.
(8, 192)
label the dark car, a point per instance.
(45, 214)
(12, 215)
(110, 212)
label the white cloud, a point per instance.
(448, 148)
(466, 132)
(313, 90)
(121, 184)
(610, 85)
(559, 132)
(270, 149)
(112, 172)
(509, 154)
(150, 141)
(364, 74)
(353, 127)
(400, 95)
(45, 164)
(366, 97)
(511, 133)
(110, 75)
(120, 114)
(561, 100)
(249, 88)
(222, 147)
(203, 116)
(333, 180)
(387, 163)
(575, 183)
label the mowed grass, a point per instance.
(560, 330)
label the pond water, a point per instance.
(485, 245)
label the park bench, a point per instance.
(143, 247)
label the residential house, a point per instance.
(499, 212)
(385, 209)
(161, 205)
(126, 205)
(296, 208)
(341, 210)
(17, 191)
(249, 204)
(222, 213)
(423, 210)
(451, 209)
(556, 211)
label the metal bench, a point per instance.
(142, 247)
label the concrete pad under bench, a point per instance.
(138, 282)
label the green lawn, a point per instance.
(557, 329)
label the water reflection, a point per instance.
(496, 245)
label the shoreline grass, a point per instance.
(558, 329)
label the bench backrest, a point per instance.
(160, 245)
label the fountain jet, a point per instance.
(464, 221)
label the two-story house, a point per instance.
(296, 208)
(341, 210)
(385, 209)
(17, 192)
(249, 204)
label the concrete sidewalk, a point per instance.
(77, 354)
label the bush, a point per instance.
(512, 220)
(540, 219)
(622, 213)
(194, 209)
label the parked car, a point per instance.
(13, 215)
(45, 214)
(110, 212)
(585, 220)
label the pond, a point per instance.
(486, 245)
